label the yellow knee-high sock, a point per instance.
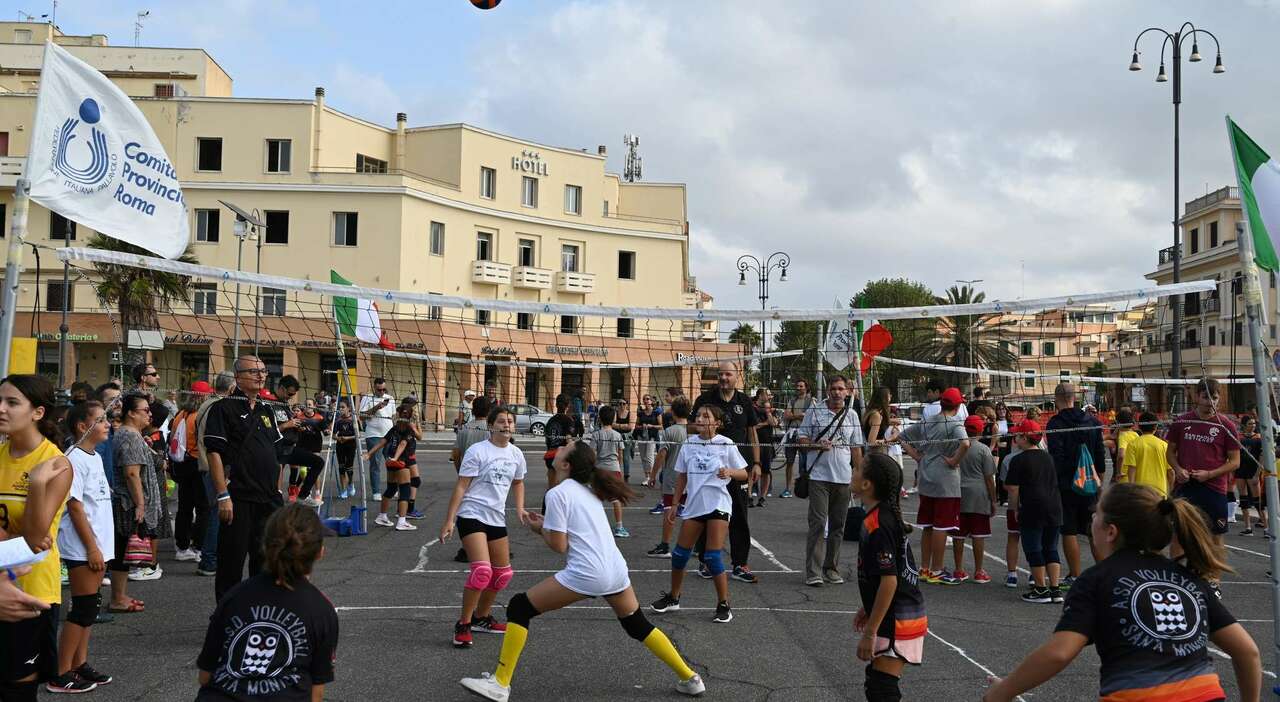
(660, 646)
(512, 645)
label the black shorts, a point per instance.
(1211, 503)
(30, 646)
(767, 453)
(1247, 471)
(1077, 513)
(468, 526)
(717, 515)
(74, 564)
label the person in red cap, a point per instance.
(200, 387)
(1033, 496)
(977, 501)
(937, 444)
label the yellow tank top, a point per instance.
(45, 579)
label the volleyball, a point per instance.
(485, 4)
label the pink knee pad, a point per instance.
(502, 576)
(481, 575)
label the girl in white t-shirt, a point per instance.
(706, 464)
(575, 525)
(86, 540)
(488, 471)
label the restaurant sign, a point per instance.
(578, 351)
(55, 336)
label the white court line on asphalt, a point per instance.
(769, 555)
(966, 656)
(557, 570)
(997, 559)
(783, 610)
(422, 556)
(1223, 654)
(1245, 550)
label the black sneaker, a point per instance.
(87, 673)
(1247, 532)
(488, 625)
(704, 571)
(723, 614)
(744, 574)
(666, 603)
(659, 551)
(70, 683)
(1038, 595)
(1055, 595)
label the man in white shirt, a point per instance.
(932, 392)
(832, 436)
(378, 411)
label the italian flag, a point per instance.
(871, 339)
(1259, 178)
(357, 317)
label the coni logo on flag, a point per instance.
(84, 175)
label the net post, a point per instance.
(64, 328)
(345, 381)
(1262, 373)
(12, 271)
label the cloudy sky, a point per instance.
(933, 140)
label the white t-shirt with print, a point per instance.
(594, 566)
(491, 469)
(90, 488)
(380, 422)
(700, 459)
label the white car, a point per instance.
(530, 419)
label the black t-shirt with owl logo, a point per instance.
(266, 642)
(1150, 619)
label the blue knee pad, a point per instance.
(680, 557)
(714, 561)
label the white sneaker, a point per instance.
(691, 687)
(404, 525)
(488, 687)
(146, 574)
(312, 502)
(383, 520)
(187, 554)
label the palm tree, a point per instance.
(746, 335)
(138, 293)
(971, 340)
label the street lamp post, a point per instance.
(1175, 40)
(971, 283)
(246, 225)
(777, 260)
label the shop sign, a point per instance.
(56, 336)
(497, 351)
(693, 359)
(188, 339)
(578, 351)
(529, 162)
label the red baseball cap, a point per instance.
(1029, 428)
(974, 425)
(951, 398)
(266, 394)
(202, 387)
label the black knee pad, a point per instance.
(520, 610)
(84, 609)
(406, 492)
(881, 686)
(390, 492)
(636, 625)
(416, 481)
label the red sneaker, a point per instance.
(462, 635)
(960, 575)
(488, 624)
(981, 577)
(293, 493)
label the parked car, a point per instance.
(530, 419)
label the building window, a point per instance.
(61, 228)
(569, 258)
(207, 226)
(488, 182)
(437, 238)
(1049, 348)
(525, 248)
(163, 90)
(1024, 349)
(1193, 240)
(482, 317)
(1237, 284)
(1191, 303)
(273, 302)
(1028, 378)
(22, 36)
(627, 265)
(205, 300)
(345, 228)
(524, 320)
(529, 192)
(1213, 234)
(484, 246)
(1193, 338)
(568, 324)
(279, 155)
(277, 227)
(435, 312)
(369, 164)
(208, 153)
(56, 294)
(1213, 336)
(1273, 331)
(4, 231)
(624, 328)
(573, 199)
(606, 208)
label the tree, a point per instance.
(970, 340)
(745, 335)
(138, 293)
(910, 336)
(793, 336)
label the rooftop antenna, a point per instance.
(24, 16)
(52, 16)
(137, 27)
(631, 173)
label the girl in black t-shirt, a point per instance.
(400, 447)
(1150, 618)
(273, 636)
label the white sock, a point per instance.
(1231, 511)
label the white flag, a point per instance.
(841, 348)
(95, 159)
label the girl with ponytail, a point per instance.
(250, 616)
(892, 618)
(1134, 583)
(575, 525)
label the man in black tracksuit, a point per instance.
(739, 425)
(240, 439)
(1068, 430)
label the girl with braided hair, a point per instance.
(892, 618)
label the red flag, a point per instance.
(874, 341)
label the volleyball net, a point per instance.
(1115, 346)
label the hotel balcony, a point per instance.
(574, 282)
(530, 277)
(490, 272)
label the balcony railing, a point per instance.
(530, 277)
(10, 169)
(490, 272)
(1206, 201)
(574, 282)
(1212, 304)
(1166, 255)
